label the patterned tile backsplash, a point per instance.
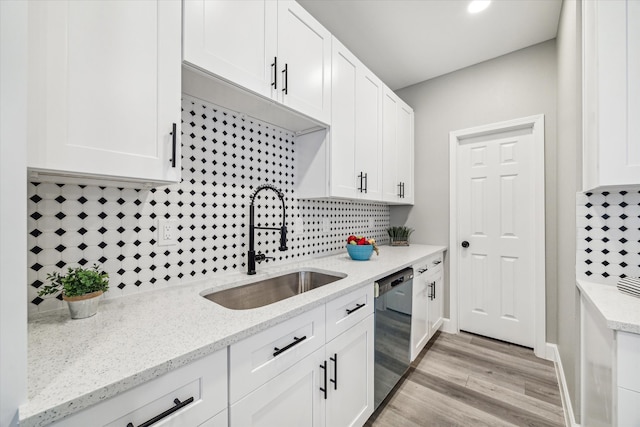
(608, 235)
(224, 158)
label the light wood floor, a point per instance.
(469, 380)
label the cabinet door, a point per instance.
(436, 303)
(405, 152)
(611, 93)
(344, 181)
(106, 88)
(236, 40)
(628, 407)
(368, 120)
(350, 359)
(304, 62)
(292, 399)
(420, 315)
(390, 179)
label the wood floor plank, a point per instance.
(549, 411)
(468, 380)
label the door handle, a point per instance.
(274, 66)
(174, 145)
(334, 359)
(285, 74)
(325, 388)
(465, 244)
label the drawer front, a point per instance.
(431, 265)
(347, 310)
(204, 380)
(261, 357)
(628, 356)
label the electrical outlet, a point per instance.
(298, 227)
(167, 232)
(326, 225)
(371, 224)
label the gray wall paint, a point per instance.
(13, 210)
(517, 85)
(569, 181)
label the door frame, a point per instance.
(536, 124)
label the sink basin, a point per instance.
(273, 289)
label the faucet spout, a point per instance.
(251, 253)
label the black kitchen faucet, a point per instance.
(252, 257)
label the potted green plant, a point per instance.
(399, 235)
(81, 288)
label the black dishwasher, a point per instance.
(394, 297)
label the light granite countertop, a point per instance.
(73, 364)
(620, 311)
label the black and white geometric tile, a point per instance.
(608, 235)
(224, 158)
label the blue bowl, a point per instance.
(360, 252)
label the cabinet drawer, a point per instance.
(204, 380)
(431, 265)
(628, 355)
(347, 310)
(261, 357)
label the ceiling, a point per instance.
(408, 41)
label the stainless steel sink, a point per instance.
(273, 289)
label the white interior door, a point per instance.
(496, 215)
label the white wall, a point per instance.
(569, 181)
(13, 209)
(516, 85)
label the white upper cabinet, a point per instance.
(356, 130)
(611, 93)
(304, 62)
(274, 49)
(236, 40)
(105, 90)
(397, 149)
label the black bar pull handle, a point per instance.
(399, 190)
(432, 294)
(434, 290)
(356, 308)
(174, 143)
(179, 405)
(324, 389)
(366, 183)
(285, 72)
(274, 66)
(296, 341)
(334, 359)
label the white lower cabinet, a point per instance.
(427, 302)
(610, 376)
(350, 359)
(309, 383)
(197, 391)
(290, 399)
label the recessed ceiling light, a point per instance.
(478, 6)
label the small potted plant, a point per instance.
(399, 235)
(81, 288)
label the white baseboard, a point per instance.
(447, 327)
(553, 355)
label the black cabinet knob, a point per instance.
(465, 244)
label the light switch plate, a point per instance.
(167, 232)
